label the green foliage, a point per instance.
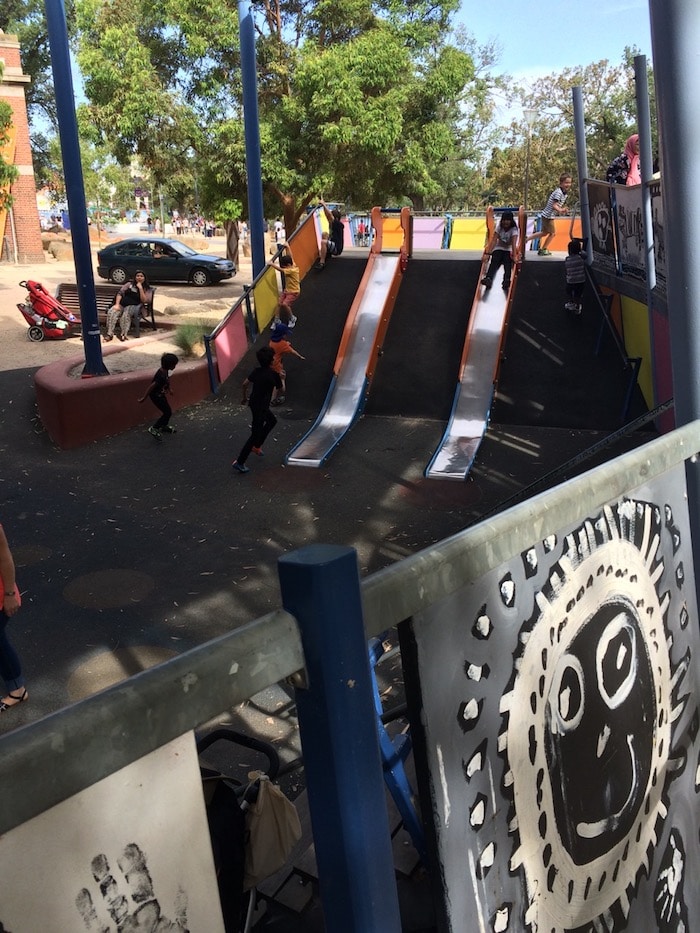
(361, 102)
(357, 100)
(8, 173)
(608, 95)
(189, 337)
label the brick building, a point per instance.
(22, 230)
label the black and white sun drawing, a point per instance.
(564, 799)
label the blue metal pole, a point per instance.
(321, 588)
(675, 39)
(251, 129)
(75, 191)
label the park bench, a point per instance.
(67, 294)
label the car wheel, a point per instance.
(118, 275)
(35, 333)
(200, 277)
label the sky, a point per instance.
(538, 37)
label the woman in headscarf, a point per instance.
(625, 169)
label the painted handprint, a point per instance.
(133, 909)
(671, 911)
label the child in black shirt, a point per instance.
(157, 390)
(264, 380)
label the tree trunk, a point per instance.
(231, 231)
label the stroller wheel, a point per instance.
(35, 333)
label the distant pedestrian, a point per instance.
(280, 345)
(263, 382)
(555, 207)
(292, 282)
(10, 667)
(575, 270)
(503, 249)
(333, 241)
(158, 391)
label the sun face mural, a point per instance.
(590, 773)
(573, 777)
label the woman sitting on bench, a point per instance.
(130, 303)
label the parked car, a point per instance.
(162, 260)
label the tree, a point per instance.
(8, 172)
(609, 105)
(26, 19)
(357, 101)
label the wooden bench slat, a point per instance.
(67, 294)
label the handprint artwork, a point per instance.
(132, 905)
(129, 854)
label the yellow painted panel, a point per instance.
(468, 233)
(392, 232)
(635, 323)
(265, 298)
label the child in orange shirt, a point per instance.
(280, 345)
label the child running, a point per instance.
(157, 391)
(280, 346)
(264, 380)
(292, 282)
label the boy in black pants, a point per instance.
(264, 381)
(157, 390)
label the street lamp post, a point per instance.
(530, 116)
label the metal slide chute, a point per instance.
(360, 344)
(478, 371)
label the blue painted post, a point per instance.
(75, 192)
(251, 130)
(321, 588)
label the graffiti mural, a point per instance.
(601, 218)
(657, 223)
(630, 231)
(562, 744)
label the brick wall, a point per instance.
(27, 227)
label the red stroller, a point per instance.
(46, 316)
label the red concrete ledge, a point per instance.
(78, 411)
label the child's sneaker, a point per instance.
(240, 467)
(154, 432)
(292, 322)
(169, 430)
(543, 252)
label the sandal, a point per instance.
(19, 699)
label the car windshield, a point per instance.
(182, 249)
